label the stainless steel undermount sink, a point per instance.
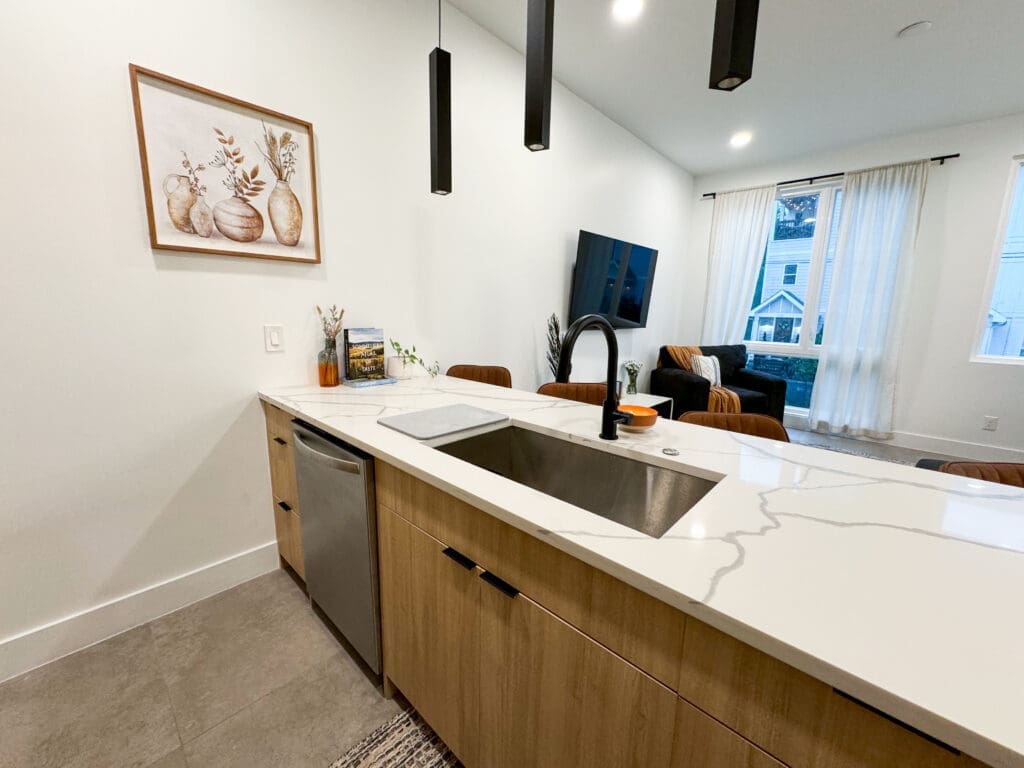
(644, 497)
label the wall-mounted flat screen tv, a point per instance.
(612, 278)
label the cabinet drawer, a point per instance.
(288, 527)
(701, 742)
(642, 630)
(282, 472)
(279, 423)
(796, 718)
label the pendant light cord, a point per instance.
(438, 23)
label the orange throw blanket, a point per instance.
(720, 399)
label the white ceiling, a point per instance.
(827, 73)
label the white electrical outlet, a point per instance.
(273, 338)
(991, 423)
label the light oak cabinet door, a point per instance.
(551, 697)
(282, 470)
(287, 520)
(289, 536)
(701, 742)
(799, 719)
(430, 618)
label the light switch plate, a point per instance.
(273, 338)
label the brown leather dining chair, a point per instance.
(755, 424)
(581, 392)
(999, 472)
(485, 374)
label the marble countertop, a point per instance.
(900, 586)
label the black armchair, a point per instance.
(758, 392)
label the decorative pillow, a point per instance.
(709, 368)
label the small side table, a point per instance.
(663, 405)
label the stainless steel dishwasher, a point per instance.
(339, 536)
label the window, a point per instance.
(1002, 333)
(790, 305)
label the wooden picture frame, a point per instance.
(258, 167)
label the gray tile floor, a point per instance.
(250, 677)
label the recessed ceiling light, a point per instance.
(625, 11)
(917, 28)
(740, 139)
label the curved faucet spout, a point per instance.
(611, 416)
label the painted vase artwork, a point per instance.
(210, 158)
(283, 206)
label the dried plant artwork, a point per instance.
(190, 138)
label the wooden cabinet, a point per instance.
(701, 742)
(644, 631)
(430, 623)
(798, 719)
(570, 666)
(287, 517)
(503, 681)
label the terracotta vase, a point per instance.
(201, 218)
(180, 199)
(285, 214)
(237, 220)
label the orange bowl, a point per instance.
(643, 417)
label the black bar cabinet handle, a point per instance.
(459, 558)
(280, 441)
(499, 584)
(285, 506)
(893, 720)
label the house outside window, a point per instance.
(793, 288)
(1002, 325)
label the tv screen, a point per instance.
(613, 279)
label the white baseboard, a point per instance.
(930, 443)
(959, 448)
(41, 645)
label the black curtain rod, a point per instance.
(941, 160)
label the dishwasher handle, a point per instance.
(324, 459)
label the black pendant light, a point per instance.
(540, 23)
(440, 116)
(732, 52)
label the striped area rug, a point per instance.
(403, 742)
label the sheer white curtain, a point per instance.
(740, 226)
(856, 381)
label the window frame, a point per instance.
(1016, 168)
(816, 273)
(790, 279)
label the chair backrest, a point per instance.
(582, 392)
(1007, 474)
(755, 424)
(486, 374)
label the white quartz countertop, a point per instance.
(901, 587)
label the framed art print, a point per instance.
(224, 176)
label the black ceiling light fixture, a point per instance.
(732, 52)
(440, 116)
(540, 23)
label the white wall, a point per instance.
(941, 395)
(133, 450)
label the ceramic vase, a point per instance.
(180, 199)
(237, 220)
(201, 218)
(400, 368)
(285, 213)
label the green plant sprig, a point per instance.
(410, 356)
